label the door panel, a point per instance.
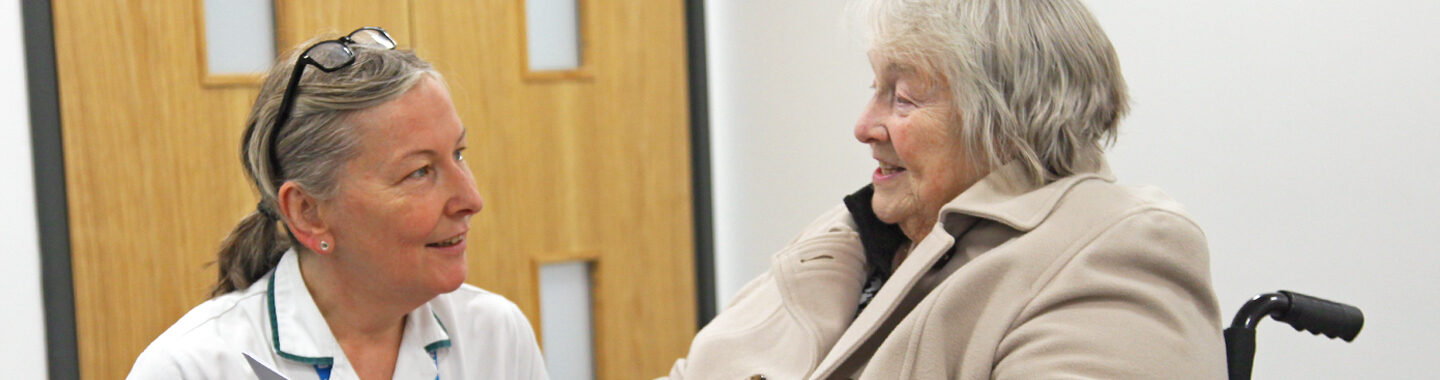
(298, 20)
(575, 167)
(152, 173)
(592, 166)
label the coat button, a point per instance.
(757, 377)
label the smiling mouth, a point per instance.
(448, 242)
(888, 170)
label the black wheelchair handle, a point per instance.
(1304, 313)
(1321, 316)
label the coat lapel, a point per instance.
(924, 256)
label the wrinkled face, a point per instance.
(404, 202)
(913, 132)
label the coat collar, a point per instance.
(1007, 197)
(1004, 196)
(299, 332)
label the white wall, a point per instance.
(786, 83)
(1299, 133)
(23, 337)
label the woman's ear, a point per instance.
(302, 214)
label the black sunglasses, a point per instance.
(328, 56)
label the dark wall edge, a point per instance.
(50, 203)
(700, 161)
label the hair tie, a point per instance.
(260, 207)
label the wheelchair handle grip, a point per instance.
(1304, 313)
(1321, 316)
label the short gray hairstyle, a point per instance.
(312, 147)
(1033, 81)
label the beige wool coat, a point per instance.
(1079, 278)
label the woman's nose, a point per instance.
(869, 128)
(466, 198)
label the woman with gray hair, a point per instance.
(992, 242)
(358, 161)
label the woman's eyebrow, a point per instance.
(898, 69)
(431, 152)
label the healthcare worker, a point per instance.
(353, 264)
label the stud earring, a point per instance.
(324, 246)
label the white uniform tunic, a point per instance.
(472, 333)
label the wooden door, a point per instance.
(590, 164)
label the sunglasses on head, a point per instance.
(327, 56)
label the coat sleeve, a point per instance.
(679, 370)
(1135, 303)
(753, 305)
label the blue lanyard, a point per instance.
(324, 371)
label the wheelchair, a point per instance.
(1304, 313)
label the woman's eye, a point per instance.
(460, 154)
(904, 105)
(420, 173)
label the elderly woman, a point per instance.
(358, 160)
(992, 242)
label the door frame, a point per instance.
(51, 208)
(700, 162)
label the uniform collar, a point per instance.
(299, 332)
(1008, 197)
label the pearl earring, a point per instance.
(324, 246)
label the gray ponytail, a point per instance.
(313, 146)
(252, 250)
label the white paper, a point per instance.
(263, 370)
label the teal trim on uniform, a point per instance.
(275, 330)
(438, 344)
